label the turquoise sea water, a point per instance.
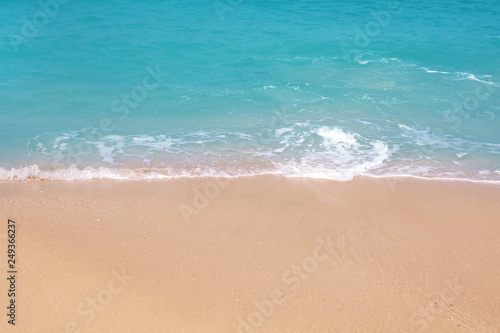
(328, 89)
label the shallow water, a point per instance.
(309, 88)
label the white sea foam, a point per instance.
(405, 127)
(299, 149)
(462, 75)
(423, 137)
(473, 77)
(334, 136)
(344, 156)
(337, 155)
(433, 71)
(290, 169)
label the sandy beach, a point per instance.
(254, 254)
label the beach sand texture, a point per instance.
(254, 254)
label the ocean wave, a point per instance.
(457, 74)
(290, 170)
(295, 149)
(33, 172)
(300, 149)
(433, 71)
(469, 76)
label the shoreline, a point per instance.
(291, 177)
(255, 254)
(33, 172)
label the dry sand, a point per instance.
(258, 254)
